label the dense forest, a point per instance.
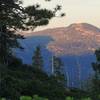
(19, 81)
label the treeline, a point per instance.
(18, 79)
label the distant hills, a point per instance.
(72, 40)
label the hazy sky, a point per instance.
(77, 11)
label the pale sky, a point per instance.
(77, 11)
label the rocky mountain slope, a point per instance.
(72, 40)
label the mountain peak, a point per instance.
(78, 38)
(84, 26)
(81, 24)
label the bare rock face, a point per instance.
(75, 39)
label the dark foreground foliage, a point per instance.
(24, 80)
(20, 79)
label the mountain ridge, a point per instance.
(77, 38)
(85, 25)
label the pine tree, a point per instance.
(37, 59)
(96, 79)
(57, 65)
(58, 70)
(8, 40)
(96, 65)
(14, 16)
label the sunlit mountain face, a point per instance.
(75, 45)
(75, 39)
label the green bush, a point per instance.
(87, 98)
(35, 97)
(2, 99)
(69, 98)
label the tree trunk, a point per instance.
(3, 44)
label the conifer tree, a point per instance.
(58, 70)
(57, 65)
(96, 65)
(14, 16)
(96, 80)
(37, 60)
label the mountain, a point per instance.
(72, 40)
(74, 44)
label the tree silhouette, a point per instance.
(96, 79)
(37, 59)
(14, 16)
(58, 70)
(96, 65)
